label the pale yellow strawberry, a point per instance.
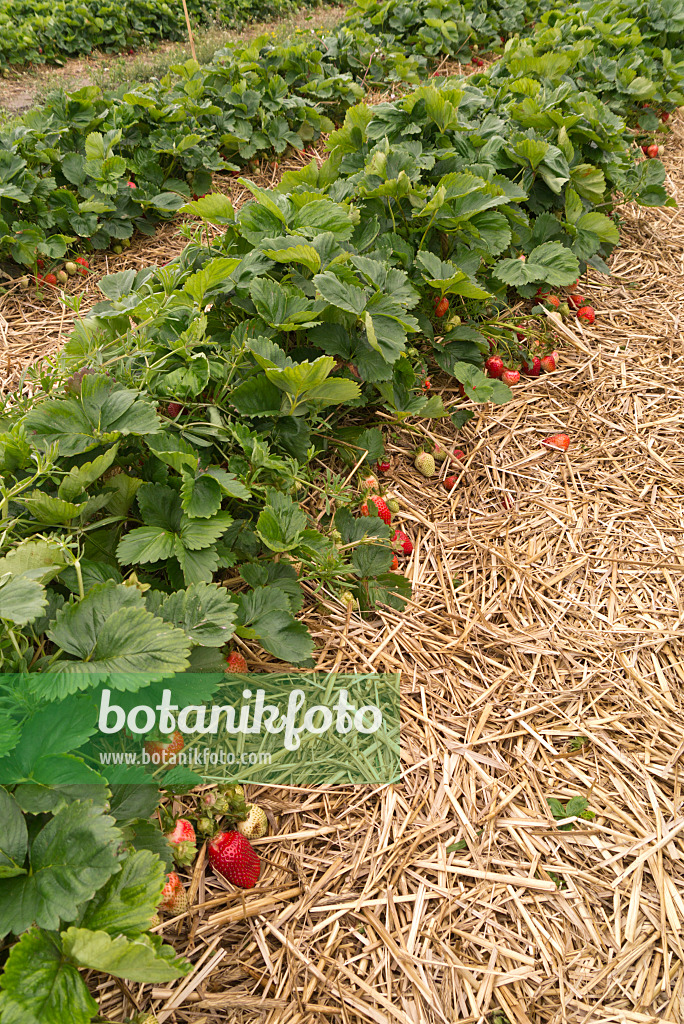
(255, 824)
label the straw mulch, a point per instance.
(542, 656)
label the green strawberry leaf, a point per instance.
(281, 523)
(14, 837)
(21, 600)
(205, 612)
(103, 412)
(40, 987)
(127, 903)
(144, 958)
(109, 631)
(265, 615)
(70, 858)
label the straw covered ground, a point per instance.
(542, 657)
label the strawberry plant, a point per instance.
(35, 31)
(74, 893)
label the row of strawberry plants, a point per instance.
(176, 482)
(36, 32)
(89, 170)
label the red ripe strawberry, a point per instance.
(462, 391)
(449, 482)
(644, 150)
(131, 184)
(442, 306)
(561, 442)
(653, 151)
(380, 505)
(587, 314)
(40, 264)
(174, 897)
(665, 115)
(551, 300)
(383, 467)
(402, 542)
(233, 857)
(494, 366)
(164, 751)
(510, 377)
(520, 336)
(576, 301)
(82, 260)
(426, 384)
(574, 286)
(235, 662)
(548, 364)
(182, 839)
(457, 454)
(395, 562)
(50, 279)
(174, 409)
(534, 370)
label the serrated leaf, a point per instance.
(13, 837)
(104, 411)
(70, 858)
(174, 450)
(215, 274)
(50, 730)
(143, 959)
(551, 262)
(145, 544)
(40, 987)
(266, 612)
(281, 523)
(304, 254)
(110, 631)
(204, 611)
(126, 904)
(339, 293)
(81, 477)
(39, 560)
(49, 510)
(599, 225)
(21, 600)
(200, 496)
(215, 208)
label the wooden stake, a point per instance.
(190, 35)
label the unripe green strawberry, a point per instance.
(425, 464)
(369, 483)
(346, 597)
(393, 504)
(205, 826)
(564, 309)
(62, 277)
(255, 825)
(70, 268)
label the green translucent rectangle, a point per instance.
(286, 729)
